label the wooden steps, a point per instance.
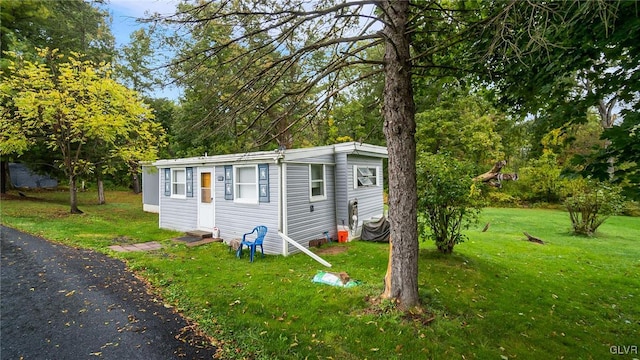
(200, 234)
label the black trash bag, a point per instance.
(376, 231)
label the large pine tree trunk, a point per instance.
(399, 130)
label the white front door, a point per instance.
(205, 199)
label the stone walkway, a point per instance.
(148, 246)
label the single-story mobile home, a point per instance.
(299, 194)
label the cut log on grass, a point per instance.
(494, 177)
(533, 238)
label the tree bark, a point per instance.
(73, 195)
(399, 129)
(491, 174)
(494, 177)
(134, 169)
(101, 198)
(4, 175)
(533, 238)
(135, 182)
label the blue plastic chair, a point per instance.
(260, 231)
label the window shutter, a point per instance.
(228, 182)
(167, 182)
(355, 176)
(263, 182)
(189, 184)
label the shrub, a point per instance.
(448, 200)
(591, 204)
(499, 198)
(631, 208)
(541, 180)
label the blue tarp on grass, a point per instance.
(23, 177)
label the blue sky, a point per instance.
(124, 14)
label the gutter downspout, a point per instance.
(160, 195)
(282, 199)
(283, 208)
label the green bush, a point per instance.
(448, 200)
(631, 208)
(541, 180)
(592, 203)
(499, 198)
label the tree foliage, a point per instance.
(448, 199)
(71, 25)
(591, 203)
(463, 126)
(75, 108)
(584, 67)
(135, 62)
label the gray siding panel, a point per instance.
(370, 199)
(342, 191)
(150, 185)
(177, 213)
(303, 224)
(235, 219)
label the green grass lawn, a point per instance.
(497, 297)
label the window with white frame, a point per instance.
(246, 184)
(317, 183)
(179, 183)
(364, 176)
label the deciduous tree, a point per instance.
(70, 25)
(73, 106)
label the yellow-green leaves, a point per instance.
(73, 106)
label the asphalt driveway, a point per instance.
(58, 302)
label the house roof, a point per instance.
(279, 155)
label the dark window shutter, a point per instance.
(228, 182)
(263, 182)
(189, 184)
(167, 182)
